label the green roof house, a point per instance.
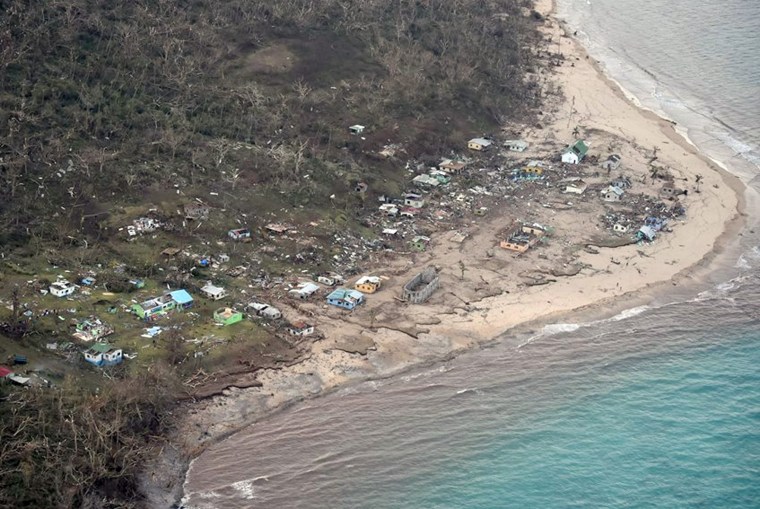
(575, 153)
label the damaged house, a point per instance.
(421, 287)
(523, 238)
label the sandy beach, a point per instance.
(483, 292)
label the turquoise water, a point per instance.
(658, 407)
(681, 431)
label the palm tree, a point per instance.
(698, 178)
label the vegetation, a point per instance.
(67, 447)
(99, 100)
(106, 105)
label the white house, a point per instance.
(479, 144)
(103, 354)
(62, 288)
(576, 187)
(213, 292)
(414, 200)
(266, 311)
(516, 145)
(304, 290)
(619, 227)
(612, 193)
(301, 329)
(575, 153)
(389, 209)
(356, 129)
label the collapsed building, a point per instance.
(421, 287)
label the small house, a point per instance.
(213, 292)
(240, 234)
(414, 200)
(621, 182)
(277, 228)
(390, 232)
(523, 238)
(516, 145)
(345, 298)
(368, 284)
(5, 372)
(361, 187)
(576, 187)
(535, 167)
(450, 166)
(92, 329)
(62, 288)
(330, 279)
(612, 162)
(151, 308)
(620, 227)
(479, 144)
(103, 354)
(301, 329)
(420, 243)
(646, 233)
(575, 153)
(356, 129)
(266, 311)
(426, 180)
(612, 193)
(227, 316)
(389, 209)
(170, 251)
(304, 290)
(441, 176)
(669, 191)
(409, 212)
(196, 211)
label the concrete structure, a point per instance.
(62, 288)
(92, 329)
(612, 162)
(266, 311)
(239, 234)
(612, 193)
(389, 209)
(576, 187)
(227, 316)
(575, 153)
(421, 287)
(195, 211)
(301, 329)
(345, 298)
(414, 200)
(420, 243)
(479, 144)
(304, 290)
(450, 166)
(103, 354)
(516, 145)
(620, 228)
(646, 233)
(523, 238)
(368, 284)
(356, 129)
(213, 292)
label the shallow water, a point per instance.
(658, 406)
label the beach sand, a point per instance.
(490, 297)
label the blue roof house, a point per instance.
(183, 299)
(345, 298)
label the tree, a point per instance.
(698, 179)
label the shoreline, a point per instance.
(252, 405)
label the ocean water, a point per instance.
(657, 406)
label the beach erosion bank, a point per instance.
(617, 278)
